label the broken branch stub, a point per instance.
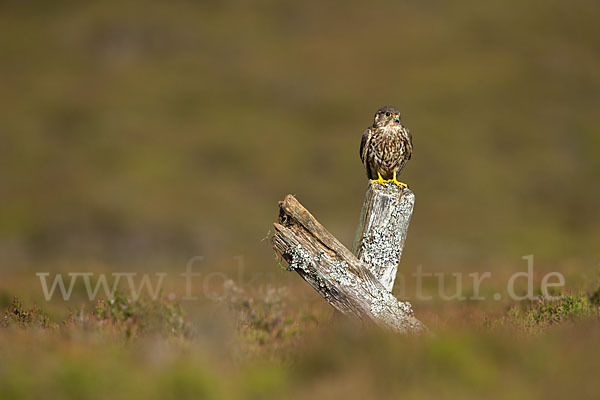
(335, 273)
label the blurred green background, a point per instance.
(146, 132)
(135, 135)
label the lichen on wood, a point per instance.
(381, 232)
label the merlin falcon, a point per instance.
(386, 146)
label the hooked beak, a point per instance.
(397, 117)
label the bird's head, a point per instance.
(387, 115)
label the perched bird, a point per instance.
(386, 146)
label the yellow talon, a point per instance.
(379, 180)
(399, 184)
(395, 181)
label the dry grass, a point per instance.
(546, 349)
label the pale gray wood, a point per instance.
(381, 232)
(335, 273)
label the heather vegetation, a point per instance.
(276, 350)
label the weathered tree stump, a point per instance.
(381, 232)
(339, 276)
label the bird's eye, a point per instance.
(387, 114)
